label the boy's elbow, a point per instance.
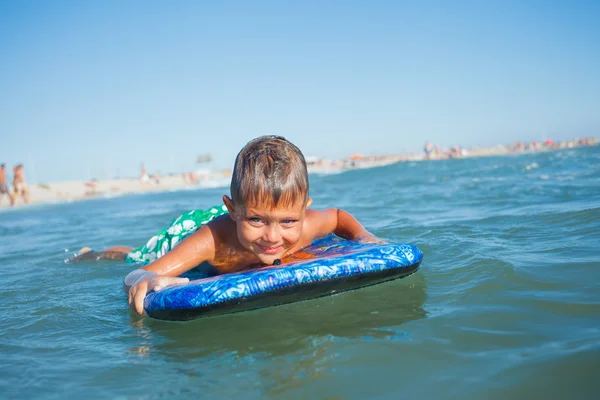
(336, 219)
(348, 227)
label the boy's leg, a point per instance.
(159, 244)
(116, 253)
(112, 253)
(119, 249)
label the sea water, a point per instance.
(506, 303)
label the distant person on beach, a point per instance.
(427, 149)
(189, 177)
(265, 219)
(3, 188)
(19, 185)
(90, 188)
(144, 177)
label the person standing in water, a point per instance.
(3, 187)
(19, 185)
(144, 177)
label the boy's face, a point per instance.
(268, 232)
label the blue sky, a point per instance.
(94, 88)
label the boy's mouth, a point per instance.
(270, 249)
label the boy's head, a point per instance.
(269, 190)
(270, 172)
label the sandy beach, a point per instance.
(70, 191)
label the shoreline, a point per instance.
(72, 191)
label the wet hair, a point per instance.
(269, 171)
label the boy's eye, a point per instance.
(256, 221)
(288, 221)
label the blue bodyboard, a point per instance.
(329, 265)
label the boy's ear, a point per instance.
(229, 204)
(308, 202)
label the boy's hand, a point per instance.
(138, 292)
(371, 239)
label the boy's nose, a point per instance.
(272, 233)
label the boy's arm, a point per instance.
(344, 225)
(191, 252)
(348, 227)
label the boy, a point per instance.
(267, 219)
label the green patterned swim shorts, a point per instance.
(165, 240)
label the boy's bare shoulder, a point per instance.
(224, 234)
(320, 215)
(221, 227)
(229, 254)
(320, 222)
(213, 234)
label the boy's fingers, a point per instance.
(168, 281)
(130, 296)
(178, 281)
(136, 298)
(139, 302)
(137, 294)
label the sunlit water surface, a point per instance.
(506, 303)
